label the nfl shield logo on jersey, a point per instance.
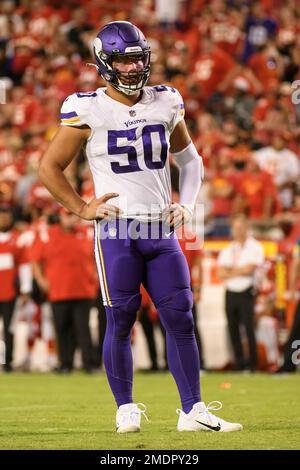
(132, 113)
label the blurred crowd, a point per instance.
(236, 64)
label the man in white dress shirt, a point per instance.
(238, 265)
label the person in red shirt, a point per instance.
(14, 263)
(26, 109)
(257, 195)
(215, 69)
(267, 66)
(222, 192)
(226, 31)
(64, 268)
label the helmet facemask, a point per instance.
(133, 81)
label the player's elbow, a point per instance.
(46, 168)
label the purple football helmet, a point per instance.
(122, 41)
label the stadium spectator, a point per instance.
(168, 12)
(289, 218)
(282, 164)
(267, 332)
(257, 197)
(64, 268)
(222, 191)
(225, 28)
(259, 28)
(214, 70)
(267, 66)
(15, 278)
(238, 264)
(241, 103)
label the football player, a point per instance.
(127, 130)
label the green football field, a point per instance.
(45, 411)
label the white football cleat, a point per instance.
(128, 418)
(200, 419)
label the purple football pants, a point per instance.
(124, 262)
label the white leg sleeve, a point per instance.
(191, 175)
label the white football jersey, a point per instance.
(129, 145)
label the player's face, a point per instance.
(129, 68)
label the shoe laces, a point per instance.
(212, 406)
(142, 409)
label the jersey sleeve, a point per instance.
(71, 113)
(170, 100)
(177, 109)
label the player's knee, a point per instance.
(183, 300)
(122, 317)
(176, 312)
(133, 303)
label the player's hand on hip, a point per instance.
(99, 209)
(176, 215)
